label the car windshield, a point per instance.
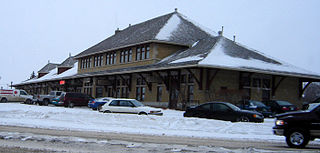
(137, 103)
(284, 103)
(312, 106)
(233, 106)
(258, 103)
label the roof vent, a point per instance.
(234, 38)
(117, 31)
(129, 25)
(176, 10)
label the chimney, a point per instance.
(176, 10)
(69, 54)
(234, 38)
(117, 31)
(221, 32)
(129, 25)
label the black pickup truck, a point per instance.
(299, 127)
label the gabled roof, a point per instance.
(170, 28)
(68, 62)
(47, 68)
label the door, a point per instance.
(315, 123)
(23, 96)
(223, 112)
(204, 111)
(126, 106)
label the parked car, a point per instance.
(71, 99)
(131, 106)
(15, 95)
(46, 99)
(299, 127)
(256, 106)
(280, 106)
(96, 104)
(223, 111)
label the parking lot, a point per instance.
(171, 124)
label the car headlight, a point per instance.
(280, 122)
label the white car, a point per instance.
(131, 106)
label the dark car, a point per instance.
(280, 106)
(299, 127)
(71, 99)
(256, 106)
(97, 103)
(223, 111)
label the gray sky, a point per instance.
(35, 31)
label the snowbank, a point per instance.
(172, 123)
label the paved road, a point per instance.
(22, 139)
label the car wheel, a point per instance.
(106, 111)
(243, 119)
(70, 105)
(297, 138)
(99, 108)
(142, 113)
(28, 101)
(46, 102)
(4, 100)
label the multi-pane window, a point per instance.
(126, 56)
(98, 61)
(111, 58)
(141, 89)
(143, 52)
(85, 63)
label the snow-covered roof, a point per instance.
(52, 75)
(170, 28)
(206, 49)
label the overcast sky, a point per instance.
(35, 31)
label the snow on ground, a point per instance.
(172, 123)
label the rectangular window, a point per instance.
(121, 56)
(147, 52)
(114, 58)
(110, 58)
(107, 59)
(95, 61)
(138, 93)
(142, 53)
(101, 60)
(159, 93)
(138, 52)
(130, 55)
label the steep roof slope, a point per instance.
(169, 28)
(47, 68)
(69, 62)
